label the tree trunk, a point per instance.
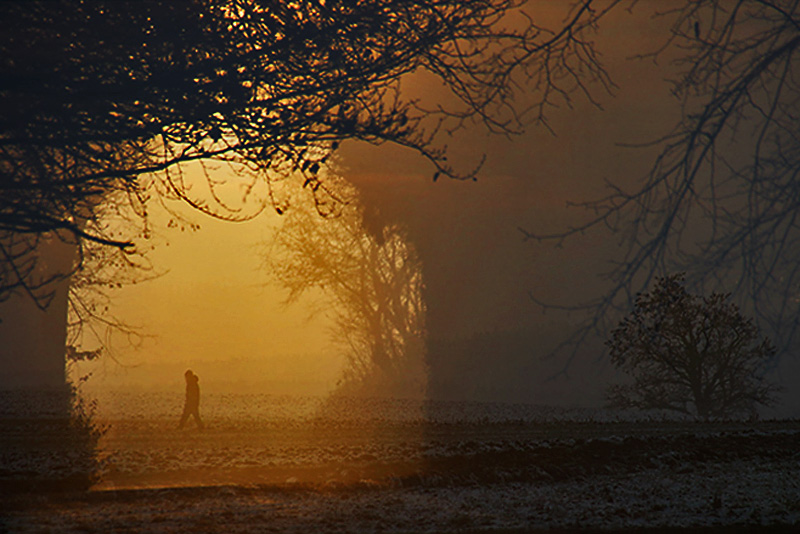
(32, 340)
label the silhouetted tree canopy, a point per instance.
(116, 97)
(689, 354)
(722, 199)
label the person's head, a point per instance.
(188, 374)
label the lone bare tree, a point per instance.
(689, 354)
(372, 286)
(722, 199)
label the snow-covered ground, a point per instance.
(286, 464)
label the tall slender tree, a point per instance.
(372, 288)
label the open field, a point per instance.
(301, 465)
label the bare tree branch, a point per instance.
(721, 200)
(101, 98)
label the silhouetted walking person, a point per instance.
(192, 404)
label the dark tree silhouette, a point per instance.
(722, 200)
(372, 286)
(690, 354)
(116, 97)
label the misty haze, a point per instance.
(399, 267)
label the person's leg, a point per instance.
(184, 417)
(196, 414)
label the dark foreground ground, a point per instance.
(413, 476)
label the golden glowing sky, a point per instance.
(214, 310)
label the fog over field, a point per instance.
(284, 308)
